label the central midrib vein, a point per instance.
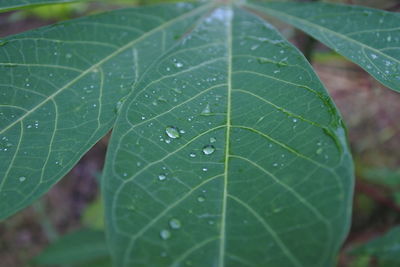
(228, 130)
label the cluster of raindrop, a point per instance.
(35, 125)
(5, 144)
(174, 224)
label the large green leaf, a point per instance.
(60, 86)
(369, 37)
(7, 5)
(228, 152)
(385, 248)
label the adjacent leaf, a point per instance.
(386, 248)
(7, 5)
(228, 152)
(60, 87)
(369, 37)
(80, 247)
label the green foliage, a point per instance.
(382, 176)
(85, 247)
(226, 148)
(386, 248)
(7, 5)
(57, 12)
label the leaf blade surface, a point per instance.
(61, 89)
(227, 152)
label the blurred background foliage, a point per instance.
(65, 227)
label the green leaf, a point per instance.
(79, 247)
(382, 176)
(7, 5)
(228, 152)
(61, 88)
(385, 248)
(368, 37)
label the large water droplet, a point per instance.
(175, 224)
(162, 177)
(165, 234)
(208, 149)
(172, 132)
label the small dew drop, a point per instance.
(201, 199)
(319, 151)
(206, 110)
(204, 169)
(208, 149)
(172, 132)
(213, 140)
(22, 178)
(165, 234)
(192, 155)
(178, 65)
(175, 224)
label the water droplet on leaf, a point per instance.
(172, 132)
(206, 110)
(165, 234)
(175, 224)
(208, 149)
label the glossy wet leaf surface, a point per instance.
(368, 37)
(228, 152)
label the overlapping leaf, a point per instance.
(228, 152)
(60, 87)
(369, 37)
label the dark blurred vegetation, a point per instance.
(370, 111)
